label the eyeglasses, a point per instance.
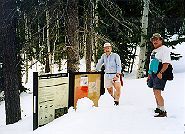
(154, 39)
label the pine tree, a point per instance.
(72, 30)
(10, 63)
(89, 36)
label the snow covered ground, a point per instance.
(133, 115)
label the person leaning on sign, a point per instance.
(112, 65)
(159, 64)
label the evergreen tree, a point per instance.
(119, 23)
(10, 60)
(89, 36)
(167, 18)
(72, 35)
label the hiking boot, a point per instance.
(157, 110)
(116, 103)
(161, 114)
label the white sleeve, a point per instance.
(166, 58)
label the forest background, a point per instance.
(50, 31)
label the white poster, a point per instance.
(52, 94)
(92, 87)
(83, 81)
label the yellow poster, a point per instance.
(87, 85)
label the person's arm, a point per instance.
(100, 63)
(166, 60)
(118, 65)
(164, 67)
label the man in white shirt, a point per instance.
(160, 60)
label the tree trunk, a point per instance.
(89, 37)
(48, 56)
(72, 24)
(95, 43)
(26, 69)
(27, 40)
(10, 63)
(142, 54)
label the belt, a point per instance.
(116, 73)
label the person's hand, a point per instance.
(149, 76)
(160, 75)
(93, 71)
(116, 77)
